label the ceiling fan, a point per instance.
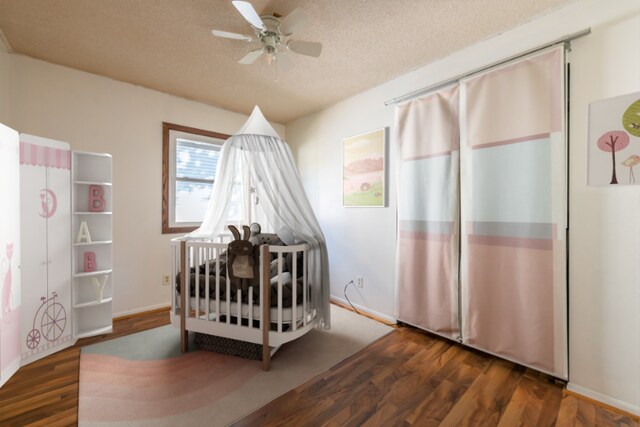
(275, 34)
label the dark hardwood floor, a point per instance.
(413, 378)
(406, 378)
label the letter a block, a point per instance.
(96, 198)
(83, 233)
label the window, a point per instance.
(189, 161)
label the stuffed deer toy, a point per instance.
(243, 263)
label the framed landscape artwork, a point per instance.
(364, 169)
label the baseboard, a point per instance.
(384, 317)
(628, 408)
(143, 310)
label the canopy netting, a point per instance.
(257, 181)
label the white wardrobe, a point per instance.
(9, 253)
(45, 200)
(51, 294)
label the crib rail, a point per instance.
(221, 309)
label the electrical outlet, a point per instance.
(166, 280)
(360, 282)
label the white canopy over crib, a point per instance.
(257, 181)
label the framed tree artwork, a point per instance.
(364, 169)
(614, 141)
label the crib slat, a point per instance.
(173, 279)
(265, 322)
(279, 291)
(304, 288)
(207, 280)
(184, 343)
(239, 306)
(228, 299)
(188, 266)
(264, 273)
(219, 253)
(250, 314)
(294, 288)
(197, 253)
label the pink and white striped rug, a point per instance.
(143, 380)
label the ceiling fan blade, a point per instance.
(234, 36)
(249, 13)
(251, 56)
(293, 21)
(305, 48)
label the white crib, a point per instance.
(213, 313)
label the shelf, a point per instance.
(93, 303)
(92, 273)
(93, 332)
(92, 317)
(107, 183)
(99, 242)
(91, 154)
(92, 213)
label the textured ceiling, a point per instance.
(167, 45)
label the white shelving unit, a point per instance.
(92, 312)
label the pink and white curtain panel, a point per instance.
(428, 214)
(511, 276)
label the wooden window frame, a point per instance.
(166, 144)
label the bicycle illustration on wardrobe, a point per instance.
(53, 320)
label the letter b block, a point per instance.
(96, 198)
(90, 262)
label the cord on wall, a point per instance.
(347, 298)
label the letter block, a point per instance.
(83, 233)
(100, 284)
(90, 262)
(96, 198)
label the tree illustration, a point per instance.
(611, 142)
(631, 119)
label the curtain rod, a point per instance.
(447, 82)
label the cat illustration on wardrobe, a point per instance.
(6, 279)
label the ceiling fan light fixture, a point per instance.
(274, 33)
(270, 54)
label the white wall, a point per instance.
(605, 249)
(604, 271)
(4, 84)
(93, 113)
(360, 241)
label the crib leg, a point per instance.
(266, 304)
(184, 334)
(266, 357)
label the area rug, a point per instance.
(144, 380)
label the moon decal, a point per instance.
(49, 203)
